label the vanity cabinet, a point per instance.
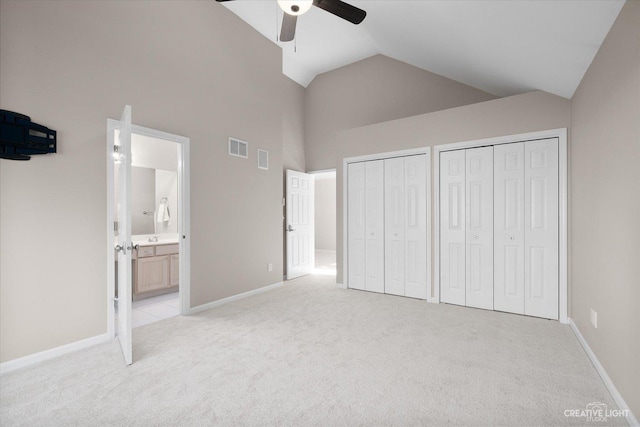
(155, 269)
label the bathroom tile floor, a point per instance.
(151, 310)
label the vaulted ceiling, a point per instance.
(499, 46)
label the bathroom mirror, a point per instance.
(154, 207)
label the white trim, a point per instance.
(234, 298)
(41, 356)
(631, 419)
(322, 171)
(184, 203)
(345, 223)
(561, 134)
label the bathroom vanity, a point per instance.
(155, 269)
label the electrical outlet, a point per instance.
(594, 318)
(270, 267)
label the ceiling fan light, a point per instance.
(295, 7)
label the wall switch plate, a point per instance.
(594, 318)
(270, 267)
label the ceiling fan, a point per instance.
(295, 8)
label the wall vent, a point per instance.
(238, 148)
(263, 159)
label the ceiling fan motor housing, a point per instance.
(295, 7)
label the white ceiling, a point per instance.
(502, 47)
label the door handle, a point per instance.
(122, 248)
(290, 228)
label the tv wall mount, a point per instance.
(20, 137)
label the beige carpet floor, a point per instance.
(311, 354)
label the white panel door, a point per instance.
(356, 221)
(452, 227)
(124, 248)
(508, 229)
(415, 250)
(479, 227)
(394, 213)
(541, 228)
(300, 224)
(374, 228)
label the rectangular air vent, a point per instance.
(263, 159)
(238, 148)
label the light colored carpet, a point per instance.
(311, 354)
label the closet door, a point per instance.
(509, 236)
(541, 228)
(356, 218)
(415, 266)
(394, 213)
(374, 229)
(452, 227)
(479, 227)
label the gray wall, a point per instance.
(325, 207)
(373, 90)
(534, 111)
(605, 204)
(190, 68)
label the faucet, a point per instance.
(153, 239)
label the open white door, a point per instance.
(300, 224)
(124, 248)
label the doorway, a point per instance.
(325, 222)
(159, 185)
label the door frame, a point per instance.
(563, 169)
(345, 207)
(184, 216)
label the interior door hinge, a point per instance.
(115, 226)
(284, 201)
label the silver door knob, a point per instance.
(477, 237)
(513, 238)
(121, 248)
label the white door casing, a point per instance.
(509, 235)
(415, 243)
(541, 228)
(394, 226)
(479, 227)
(356, 231)
(374, 226)
(124, 236)
(452, 227)
(300, 224)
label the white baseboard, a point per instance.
(233, 298)
(32, 359)
(341, 286)
(631, 419)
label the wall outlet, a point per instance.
(270, 267)
(594, 318)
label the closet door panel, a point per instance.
(394, 196)
(541, 228)
(479, 227)
(415, 267)
(374, 229)
(356, 218)
(509, 227)
(452, 227)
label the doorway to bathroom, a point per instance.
(152, 219)
(325, 222)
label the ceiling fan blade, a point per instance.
(220, 1)
(342, 10)
(288, 30)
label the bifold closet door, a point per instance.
(452, 227)
(541, 262)
(394, 212)
(374, 228)
(509, 235)
(405, 226)
(356, 219)
(479, 227)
